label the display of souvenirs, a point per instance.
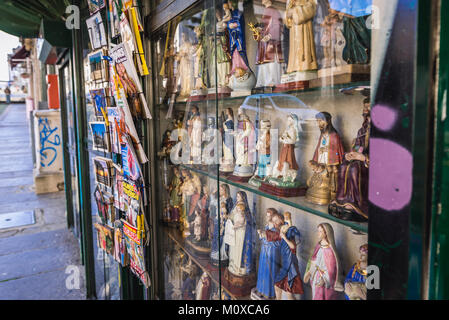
(355, 288)
(323, 267)
(96, 31)
(102, 169)
(325, 163)
(105, 238)
(351, 202)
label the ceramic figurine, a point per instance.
(270, 256)
(327, 158)
(174, 190)
(221, 55)
(191, 191)
(239, 236)
(244, 148)
(194, 131)
(263, 148)
(218, 249)
(351, 202)
(302, 60)
(282, 177)
(355, 288)
(332, 41)
(175, 275)
(199, 223)
(185, 68)
(203, 288)
(269, 49)
(188, 286)
(288, 279)
(322, 269)
(242, 78)
(227, 164)
(199, 67)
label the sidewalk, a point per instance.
(34, 258)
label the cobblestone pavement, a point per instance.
(37, 261)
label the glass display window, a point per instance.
(262, 120)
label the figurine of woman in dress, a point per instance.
(323, 267)
(184, 56)
(194, 130)
(228, 142)
(191, 190)
(239, 228)
(269, 256)
(244, 145)
(288, 279)
(218, 250)
(263, 147)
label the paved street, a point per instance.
(33, 259)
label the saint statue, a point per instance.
(263, 148)
(194, 131)
(185, 67)
(351, 202)
(288, 278)
(355, 288)
(200, 70)
(239, 237)
(326, 160)
(270, 256)
(191, 191)
(299, 19)
(323, 267)
(269, 49)
(244, 145)
(174, 190)
(203, 288)
(227, 164)
(218, 249)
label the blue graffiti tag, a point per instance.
(47, 145)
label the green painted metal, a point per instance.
(439, 261)
(422, 143)
(83, 163)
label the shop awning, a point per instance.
(20, 54)
(23, 18)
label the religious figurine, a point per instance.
(288, 279)
(242, 78)
(188, 287)
(200, 224)
(194, 131)
(200, 70)
(302, 60)
(327, 158)
(191, 191)
(220, 55)
(167, 71)
(269, 49)
(185, 69)
(270, 257)
(351, 202)
(218, 250)
(203, 288)
(175, 275)
(355, 288)
(227, 163)
(282, 177)
(166, 146)
(244, 148)
(239, 236)
(332, 41)
(323, 267)
(263, 147)
(174, 190)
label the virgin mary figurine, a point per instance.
(323, 267)
(227, 164)
(239, 236)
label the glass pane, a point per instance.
(263, 129)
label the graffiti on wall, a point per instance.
(49, 140)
